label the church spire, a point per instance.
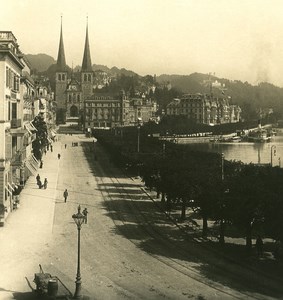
(61, 61)
(86, 65)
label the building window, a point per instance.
(7, 77)
(78, 98)
(9, 111)
(89, 77)
(63, 77)
(85, 77)
(14, 110)
(59, 77)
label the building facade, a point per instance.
(106, 111)
(205, 109)
(16, 132)
(20, 103)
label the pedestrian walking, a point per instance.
(85, 212)
(259, 246)
(41, 164)
(45, 183)
(51, 148)
(37, 177)
(39, 183)
(65, 146)
(65, 194)
(59, 155)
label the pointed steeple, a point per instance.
(86, 65)
(61, 61)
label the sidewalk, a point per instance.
(28, 229)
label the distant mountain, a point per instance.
(251, 98)
(40, 62)
(114, 71)
(186, 83)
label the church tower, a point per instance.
(61, 81)
(87, 72)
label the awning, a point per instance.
(35, 161)
(32, 164)
(7, 189)
(53, 133)
(14, 185)
(32, 126)
(11, 187)
(29, 126)
(18, 131)
(49, 140)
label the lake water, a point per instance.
(246, 152)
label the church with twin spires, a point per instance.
(70, 90)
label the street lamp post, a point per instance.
(222, 166)
(138, 139)
(79, 219)
(163, 149)
(272, 153)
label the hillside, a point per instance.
(252, 99)
(40, 62)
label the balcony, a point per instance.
(7, 36)
(16, 123)
(17, 158)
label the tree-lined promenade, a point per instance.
(246, 198)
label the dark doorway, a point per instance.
(73, 111)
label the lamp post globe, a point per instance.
(79, 219)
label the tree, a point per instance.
(41, 140)
(247, 196)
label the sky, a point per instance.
(235, 39)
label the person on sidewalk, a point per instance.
(39, 183)
(51, 148)
(59, 155)
(65, 146)
(65, 194)
(45, 183)
(85, 212)
(37, 177)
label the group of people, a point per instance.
(40, 184)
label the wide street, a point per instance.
(129, 249)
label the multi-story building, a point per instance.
(20, 103)
(13, 116)
(205, 109)
(141, 110)
(103, 110)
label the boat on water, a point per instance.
(258, 136)
(231, 138)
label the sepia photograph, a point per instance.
(140, 149)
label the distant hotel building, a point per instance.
(204, 109)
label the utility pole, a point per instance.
(272, 153)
